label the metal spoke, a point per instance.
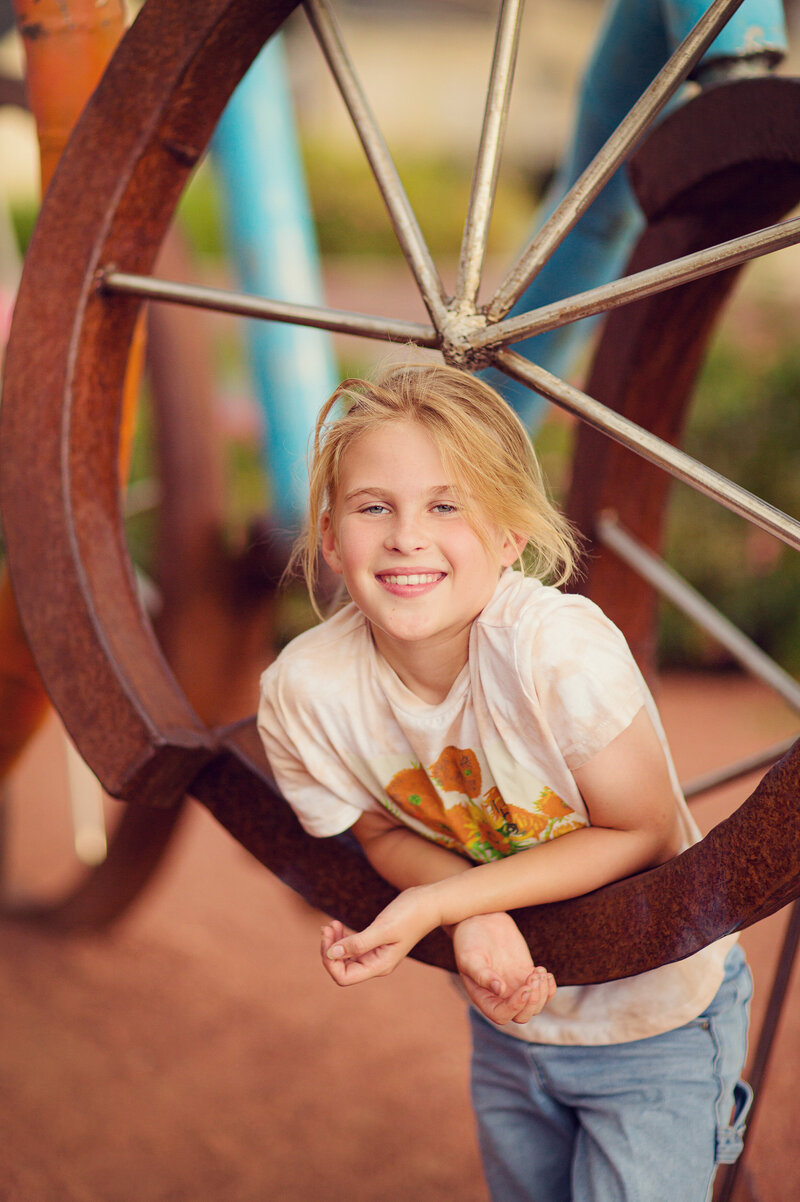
(680, 465)
(245, 305)
(732, 772)
(642, 284)
(610, 156)
(691, 603)
(487, 164)
(400, 212)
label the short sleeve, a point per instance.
(324, 795)
(583, 675)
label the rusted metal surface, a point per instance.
(67, 46)
(724, 165)
(110, 204)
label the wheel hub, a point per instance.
(458, 333)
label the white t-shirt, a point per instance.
(549, 683)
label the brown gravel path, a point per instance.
(197, 1053)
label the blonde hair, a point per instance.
(484, 448)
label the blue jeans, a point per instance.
(646, 1121)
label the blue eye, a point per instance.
(376, 508)
(445, 507)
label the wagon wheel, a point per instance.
(199, 583)
(200, 579)
(95, 865)
(107, 214)
(67, 893)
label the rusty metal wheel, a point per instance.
(78, 858)
(97, 855)
(90, 260)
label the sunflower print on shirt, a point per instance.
(450, 802)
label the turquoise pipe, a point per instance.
(272, 244)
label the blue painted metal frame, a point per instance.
(273, 246)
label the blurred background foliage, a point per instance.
(351, 221)
(745, 423)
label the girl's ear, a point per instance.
(329, 547)
(513, 546)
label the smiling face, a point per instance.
(411, 561)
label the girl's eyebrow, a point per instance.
(384, 494)
(368, 491)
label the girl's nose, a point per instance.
(406, 536)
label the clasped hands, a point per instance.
(492, 957)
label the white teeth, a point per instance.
(414, 578)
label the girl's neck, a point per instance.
(428, 672)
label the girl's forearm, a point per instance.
(573, 864)
(569, 866)
(406, 859)
(409, 861)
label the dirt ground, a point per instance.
(198, 1053)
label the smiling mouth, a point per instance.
(404, 579)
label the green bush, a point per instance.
(352, 220)
(349, 213)
(23, 219)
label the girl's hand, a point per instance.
(495, 964)
(379, 948)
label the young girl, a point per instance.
(491, 744)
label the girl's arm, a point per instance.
(628, 794)
(492, 957)
(402, 857)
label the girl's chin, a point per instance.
(410, 637)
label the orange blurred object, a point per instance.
(67, 45)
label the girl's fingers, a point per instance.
(328, 936)
(535, 994)
(330, 933)
(488, 979)
(350, 959)
(352, 947)
(343, 972)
